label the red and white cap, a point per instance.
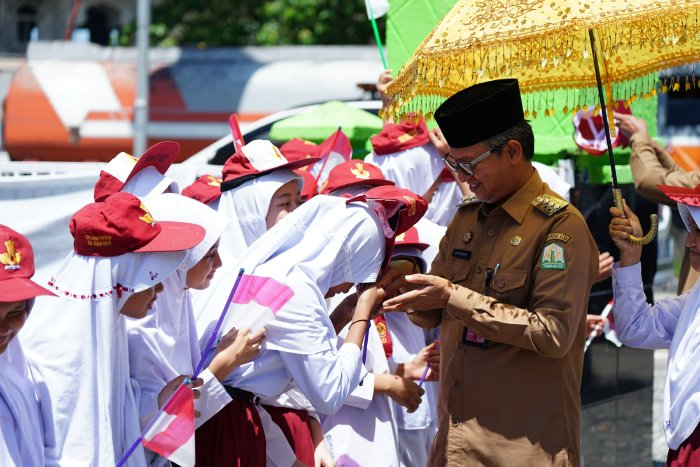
(351, 173)
(398, 210)
(122, 224)
(206, 189)
(589, 131)
(17, 268)
(255, 159)
(124, 167)
(688, 200)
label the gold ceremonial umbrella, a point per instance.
(593, 49)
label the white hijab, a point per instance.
(164, 344)
(18, 392)
(414, 169)
(246, 206)
(323, 243)
(77, 345)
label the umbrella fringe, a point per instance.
(439, 69)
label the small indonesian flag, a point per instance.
(334, 150)
(258, 299)
(171, 434)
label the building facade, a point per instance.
(47, 20)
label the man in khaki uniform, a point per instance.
(509, 289)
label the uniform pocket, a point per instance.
(507, 280)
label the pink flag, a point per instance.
(334, 150)
(261, 297)
(171, 434)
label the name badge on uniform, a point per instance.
(469, 337)
(463, 254)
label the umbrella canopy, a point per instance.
(316, 125)
(545, 44)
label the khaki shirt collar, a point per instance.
(518, 204)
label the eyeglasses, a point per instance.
(467, 168)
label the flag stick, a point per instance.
(425, 372)
(218, 325)
(376, 35)
(606, 311)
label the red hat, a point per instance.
(398, 208)
(124, 167)
(410, 238)
(589, 131)
(405, 135)
(689, 196)
(351, 173)
(122, 224)
(257, 158)
(206, 189)
(17, 267)
(309, 182)
(296, 149)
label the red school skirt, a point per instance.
(296, 426)
(232, 437)
(688, 453)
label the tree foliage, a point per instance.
(256, 22)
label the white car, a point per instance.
(220, 150)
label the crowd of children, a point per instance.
(295, 377)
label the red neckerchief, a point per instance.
(400, 137)
(383, 331)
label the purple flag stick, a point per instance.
(212, 338)
(364, 345)
(425, 372)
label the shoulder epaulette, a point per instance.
(467, 200)
(549, 204)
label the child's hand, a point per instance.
(621, 227)
(172, 386)
(235, 349)
(428, 355)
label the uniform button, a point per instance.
(479, 268)
(501, 283)
(455, 384)
(491, 233)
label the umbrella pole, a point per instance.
(617, 193)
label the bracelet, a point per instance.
(358, 321)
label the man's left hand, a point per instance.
(434, 294)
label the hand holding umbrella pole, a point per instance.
(617, 193)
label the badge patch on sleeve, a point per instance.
(553, 257)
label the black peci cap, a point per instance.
(480, 112)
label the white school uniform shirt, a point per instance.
(407, 341)
(21, 425)
(443, 206)
(365, 436)
(323, 243)
(78, 348)
(674, 324)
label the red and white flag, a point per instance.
(334, 150)
(258, 299)
(171, 434)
